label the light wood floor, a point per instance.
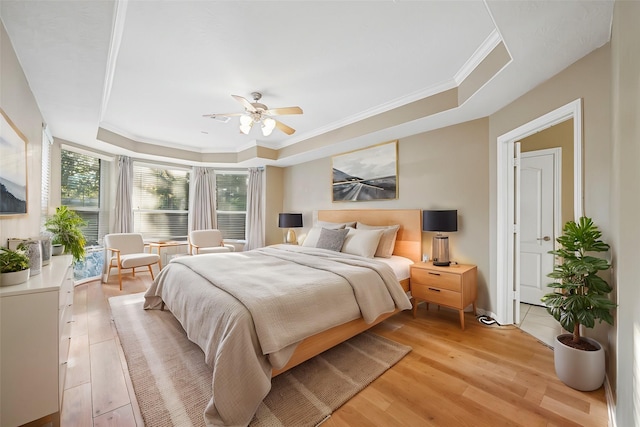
(484, 376)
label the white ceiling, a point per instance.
(148, 70)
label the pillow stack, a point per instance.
(353, 238)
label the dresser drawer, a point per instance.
(436, 295)
(436, 279)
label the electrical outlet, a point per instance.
(425, 258)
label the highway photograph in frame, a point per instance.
(13, 168)
(367, 174)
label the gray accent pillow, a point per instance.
(331, 239)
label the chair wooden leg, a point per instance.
(133, 272)
(151, 271)
(108, 273)
(120, 277)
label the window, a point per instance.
(231, 199)
(160, 201)
(81, 177)
(47, 140)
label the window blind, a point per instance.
(160, 201)
(80, 187)
(231, 203)
(46, 175)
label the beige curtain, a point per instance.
(123, 222)
(202, 213)
(255, 220)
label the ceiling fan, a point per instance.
(255, 112)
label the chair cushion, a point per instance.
(206, 238)
(128, 243)
(213, 250)
(138, 260)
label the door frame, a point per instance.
(506, 230)
(557, 201)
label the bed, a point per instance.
(278, 306)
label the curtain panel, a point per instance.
(123, 222)
(202, 215)
(255, 219)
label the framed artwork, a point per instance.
(13, 168)
(367, 174)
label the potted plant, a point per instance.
(14, 267)
(581, 298)
(66, 229)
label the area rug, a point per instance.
(172, 382)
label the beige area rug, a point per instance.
(172, 382)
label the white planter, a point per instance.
(57, 250)
(14, 278)
(579, 369)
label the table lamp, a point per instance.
(440, 221)
(290, 220)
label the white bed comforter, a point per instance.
(249, 310)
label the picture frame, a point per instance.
(367, 174)
(13, 169)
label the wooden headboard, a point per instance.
(409, 238)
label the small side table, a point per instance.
(455, 286)
(160, 245)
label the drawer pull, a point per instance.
(434, 289)
(434, 274)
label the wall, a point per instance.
(625, 204)
(588, 78)
(560, 135)
(18, 103)
(441, 169)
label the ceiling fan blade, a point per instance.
(284, 128)
(246, 104)
(284, 111)
(214, 115)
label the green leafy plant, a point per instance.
(66, 227)
(582, 296)
(12, 261)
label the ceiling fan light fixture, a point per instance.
(246, 120)
(268, 125)
(245, 129)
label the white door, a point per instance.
(539, 216)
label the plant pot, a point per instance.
(57, 249)
(14, 277)
(579, 369)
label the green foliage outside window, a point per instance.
(80, 180)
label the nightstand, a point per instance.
(455, 286)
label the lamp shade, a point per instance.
(444, 220)
(289, 220)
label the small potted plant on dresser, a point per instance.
(65, 227)
(14, 267)
(581, 298)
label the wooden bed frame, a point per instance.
(408, 245)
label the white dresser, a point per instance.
(35, 326)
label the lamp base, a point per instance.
(440, 249)
(290, 238)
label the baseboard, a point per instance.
(611, 405)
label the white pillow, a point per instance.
(387, 241)
(362, 242)
(312, 237)
(334, 225)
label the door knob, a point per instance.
(545, 238)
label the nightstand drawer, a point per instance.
(436, 295)
(437, 279)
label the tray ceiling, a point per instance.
(135, 77)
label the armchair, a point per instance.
(126, 250)
(207, 242)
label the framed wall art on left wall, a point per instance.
(13, 168)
